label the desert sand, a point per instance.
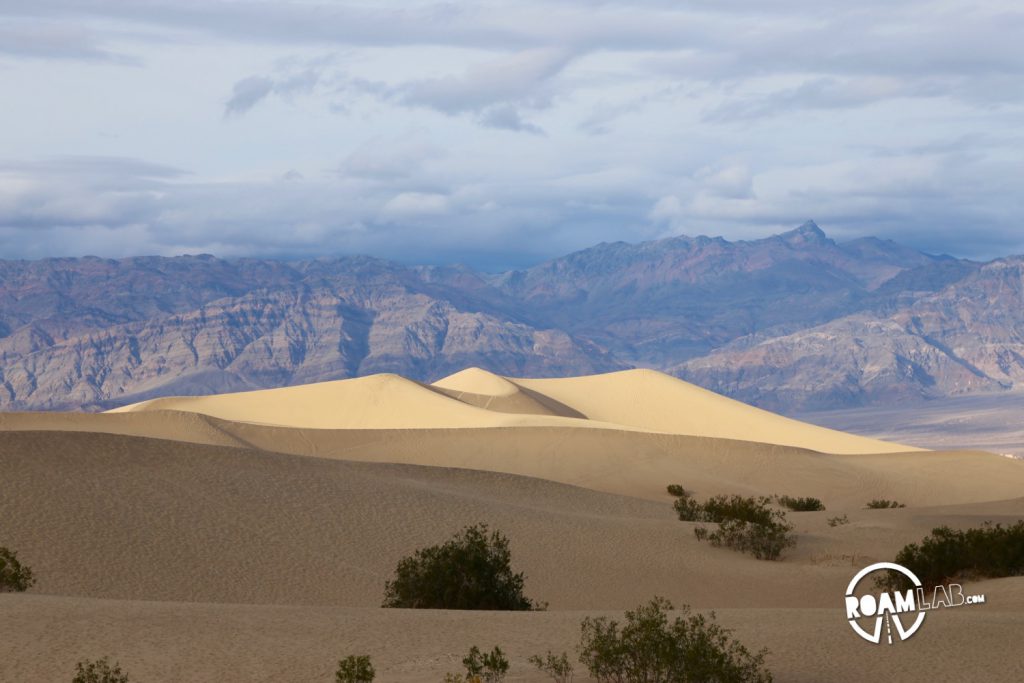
(247, 537)
(636, 400)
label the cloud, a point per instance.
(412, 204)
(384, 159)
(519, 77)
(507, 117)
(632, 120)
(495, 90)
(252, 90)
(247, 93)
(53, 40)
(732, 182)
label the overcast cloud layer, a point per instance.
(500, 133)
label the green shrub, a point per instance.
(882, 504)
(688, 509)
(470, 571)
(719, 508)
(99, 671)
(763, 541)
(557, 667)
(988, 551)
(648, 648)
(489, 667)
(739, 508)
(355, 669)
(14, 576)
(746, 524)
(838, 521)
(800, 504)
(676, 490)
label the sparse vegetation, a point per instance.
(720, 508)
(482, 667)
(470, 571)
(14, 576)
(839, 520)
(993, 550)
(676, 490)
(800, 504)
(355, 669)
(688, 509)
(747, 524)
(648, 647)
(99, 671)
(882, 504)
(557, 667)
(763, 541)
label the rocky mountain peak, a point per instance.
(98, 332)
(806, 234)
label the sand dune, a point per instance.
(286, 644)
(654, 401)
(635, 400)
(623, 462)
(218, 535)
(139, 518)
(255, 531)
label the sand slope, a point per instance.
(139, 518)
(635, 400)
(286, 644)
(269, 566)
(255, 531)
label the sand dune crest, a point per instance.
(632, 400)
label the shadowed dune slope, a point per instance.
(283, 644)
(262, 550)
(127, 517)
(633, 400)
(116, 516)
(632, 463)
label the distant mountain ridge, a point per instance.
(788, 322)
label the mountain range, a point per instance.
(791, 322)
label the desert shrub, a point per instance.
(719, 508)
(800, 504)
(739, 508)
(747, 524)
(648, 647)
(988, 551)
(99, 671)
(688, 509)
(557, 667)
(676, 490)
(839, 520)
(472, 570)
(882, 504)
(489, 667)
(763, 541)
(14, 576)
(355, 669)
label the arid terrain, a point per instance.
(247, 537)
(794, 322)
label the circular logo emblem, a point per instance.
(890, 610)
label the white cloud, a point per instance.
(414, 204)
(390, 127)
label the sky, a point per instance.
(498, 133)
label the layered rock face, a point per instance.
(790, 322)
(965, 338)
